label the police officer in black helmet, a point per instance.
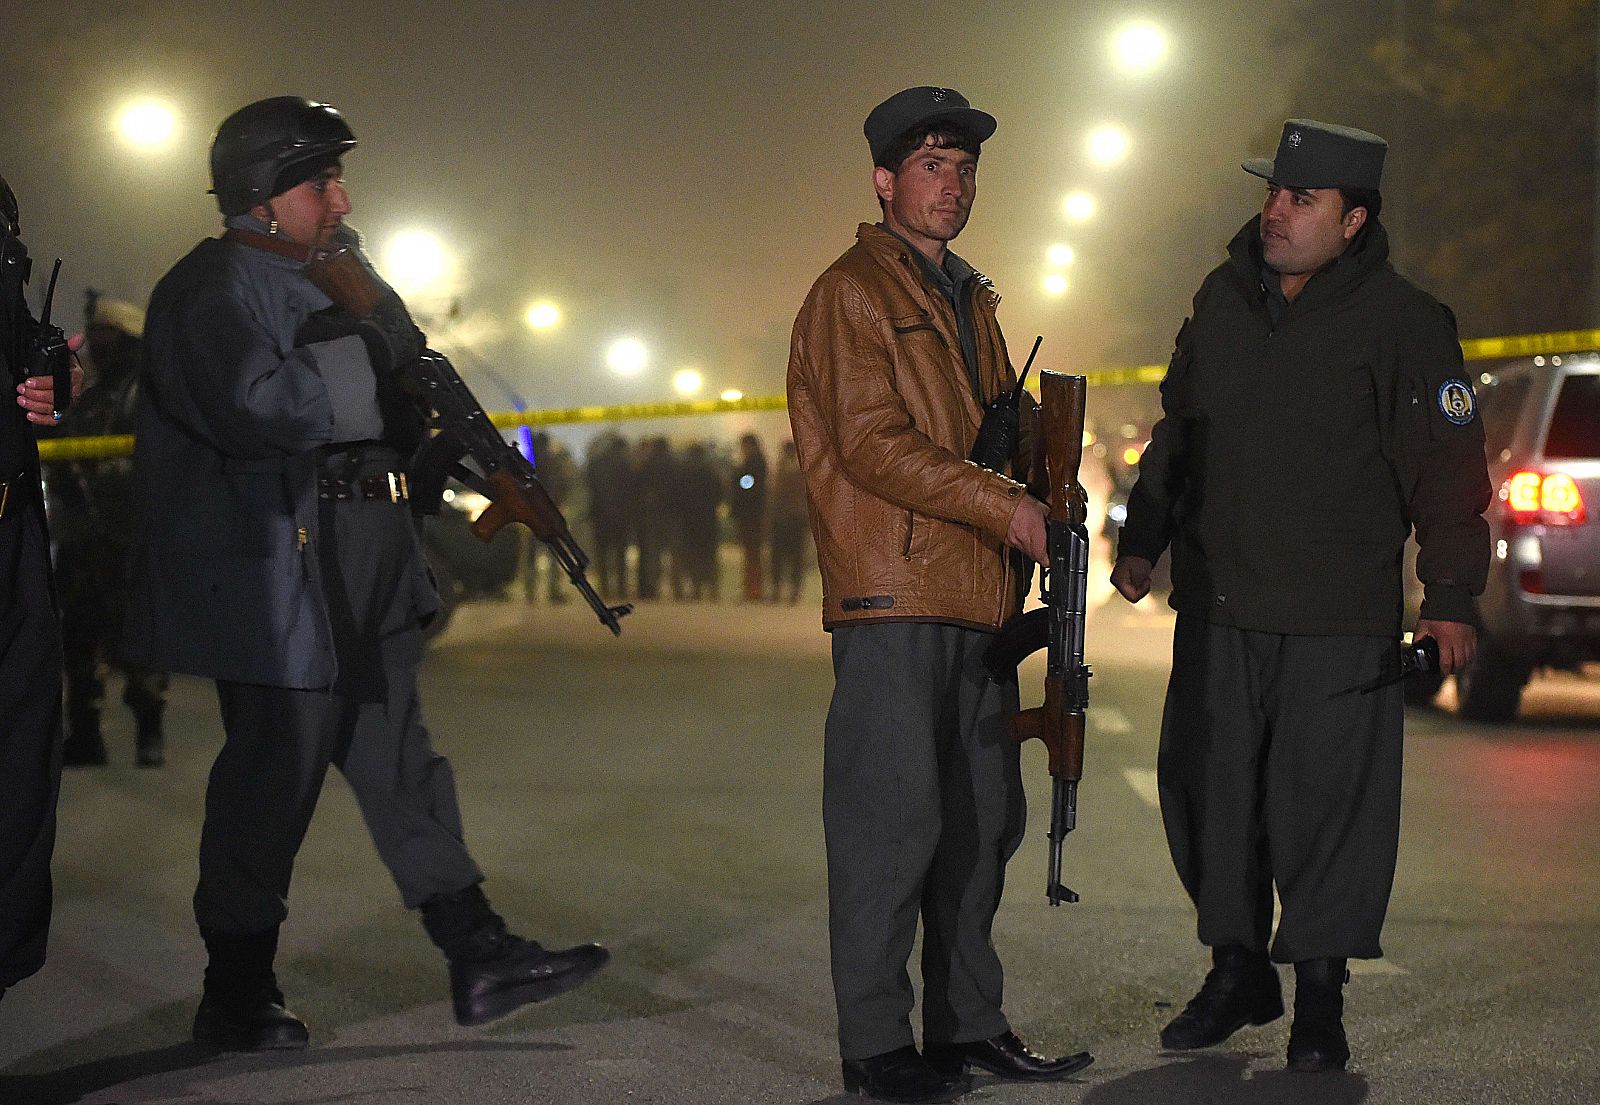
(30, 643)
(275, 553)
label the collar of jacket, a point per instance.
(892, 249)
(1369, 253)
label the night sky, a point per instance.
(679, 173)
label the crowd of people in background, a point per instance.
(658, 513)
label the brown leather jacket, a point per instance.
(884, 417)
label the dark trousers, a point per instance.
(91, 582)
(788, 555)
(30, 737)
(1271, 779)
(611, 558)
(280, 741)
(922, 805)
(752, 541)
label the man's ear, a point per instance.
(1354, 220)
(883, 183)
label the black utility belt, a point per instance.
(385, 487)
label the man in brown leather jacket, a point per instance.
(893, 357)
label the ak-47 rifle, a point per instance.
(460, 431)
(1059, 625)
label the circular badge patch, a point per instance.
(1456, 402)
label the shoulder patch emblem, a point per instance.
(1456, 402)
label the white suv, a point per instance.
(1541, 608)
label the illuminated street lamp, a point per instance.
(147, 125)
(731, 395)
(1108, 146)
(688, 381)
(627, 357)
(543, 315)
(1055, 284)
(1060, 255)
(1078, 206)
(1139, 47)
(416, 262)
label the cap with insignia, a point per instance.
(1323, 155)
(914, 106)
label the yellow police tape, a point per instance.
(1473, 349)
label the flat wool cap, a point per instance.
(1323, 155)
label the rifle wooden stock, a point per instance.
(343, 277)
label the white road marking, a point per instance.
(1110, 720)
(1143, 783)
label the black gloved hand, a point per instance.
(404, 342)
(328, 324)
(393, 341)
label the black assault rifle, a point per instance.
(1058, 625)
(460, 432)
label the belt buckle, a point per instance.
(394, 487)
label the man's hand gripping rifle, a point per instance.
(1059, 625)
(460, 432)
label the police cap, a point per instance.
(1323, 155)
(915, 106)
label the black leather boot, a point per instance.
(902, 1075)
(85, 746)
(1241, 988)
(1316, 1038)
(492, 972)
(242, 1009)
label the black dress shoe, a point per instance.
(1316, 1038)
(1241, 988)
(1007, 1056)
(519, 973)
(253, 1022)
(901, 1075)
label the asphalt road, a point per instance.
(660, 793)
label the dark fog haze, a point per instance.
(681, 173)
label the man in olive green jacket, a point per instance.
(893, 357)
(1316, 412)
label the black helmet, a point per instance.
(256, 145)
(10, 218)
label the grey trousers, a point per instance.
(267, 778)
(1269, 778)
(922, 805)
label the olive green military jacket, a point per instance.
(1292, 460)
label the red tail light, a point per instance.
(1552, 500)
